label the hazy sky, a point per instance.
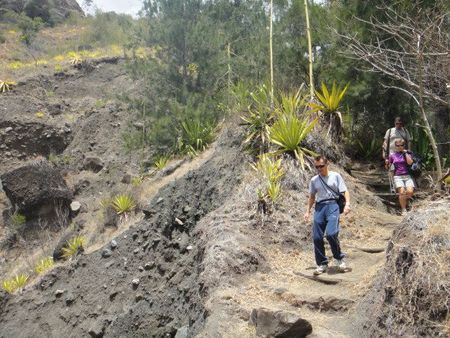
(119, 6)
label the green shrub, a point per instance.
(269, 169)
(288, 132)
(123, 204)
(18, 282)
(274, 191)
(195, 136)
(44, 265)
(161, 162)
(73, 246)
(18, 219)
(136, 181)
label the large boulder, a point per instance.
(37, 191)
(279, 324)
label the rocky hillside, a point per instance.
(56, 10)
(198, 257)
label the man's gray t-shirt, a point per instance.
(394, 134)
(322, 192)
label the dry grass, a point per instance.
(417, 292)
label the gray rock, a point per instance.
(126, 179)
(113, 244)
(94, 164)
(97, 330)
(280, 324)
(8, 129)
(135, 283)
(75, 206)
(59, 293)
(111, 217)
(106, 253)
(149, 266)
(182, 332)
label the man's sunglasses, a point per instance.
(320, 166)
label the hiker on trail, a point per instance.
(398, 131)
(403, 182)
(326, 214)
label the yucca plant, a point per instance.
(195, 136)
(241, 96)
(18, 219)
(288, 132)
(270, 169)
(123, 204)
(9, 286)
(329, 105)
(258, 118)
(44, 265)
(274, 191)
(6, 86)
(330, 101)
(290, 103)
(136, 181)
(73, 246)
(161, 162)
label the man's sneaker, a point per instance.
(341, 264)
(404, 212)
(320, 269)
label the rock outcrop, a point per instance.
(37, 191)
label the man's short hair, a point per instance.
(321, 157)
(398, 119)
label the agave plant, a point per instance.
(288, 132)
(274, 191)
(161, 162)
(9, 286)
(195, 136)
(268, 168)
(123, 204)
(6, 86)
(258, 118)
(329, 105)
(73, 246)
(44, 265)
(291, 103)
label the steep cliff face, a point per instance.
(49, 10)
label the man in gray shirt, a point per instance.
(399, 131)
(326, 214)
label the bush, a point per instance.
(18, 282)
(73, 246)
(18, 219)
(123, 204)
(44, 265)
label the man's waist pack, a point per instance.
(415, 169)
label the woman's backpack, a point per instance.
(415, 169)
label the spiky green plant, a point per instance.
(241, 95)
(136, 181)
(258, 118)
(288, 132)
(73, 246)
(6, 86)
(9, 286)
(330, 101)
(18, 219)
(44, 265)
(18, 282)
(123, 204)
(161, 162)
(274, 191)
(291, 103)
(269, 169)
(195, 136)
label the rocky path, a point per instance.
(284, 284)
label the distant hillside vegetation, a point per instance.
(50, 11)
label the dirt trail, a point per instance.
(328, 308)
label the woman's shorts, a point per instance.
(404, 181)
